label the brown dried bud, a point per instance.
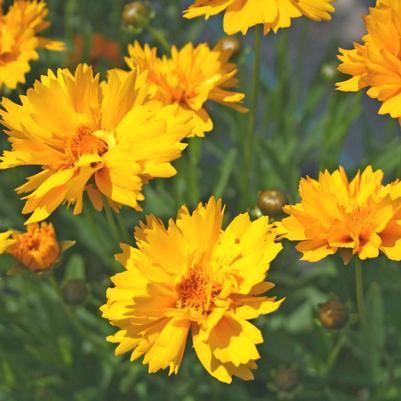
(334, 315)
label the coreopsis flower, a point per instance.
(376, 63)
(194, 278)
(101, 49)
(191, 77)
(20, 27)
(240, 15)
(104, 139)
(37, 249)
(360, 218)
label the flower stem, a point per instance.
(359, 291)
(336, 351)
(250, 132)
(193, 175)
(158, 36)
(71, 316)
(112, 223)
(122, 227)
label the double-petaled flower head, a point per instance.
(193, 277)
(376, 62)
(360, 218)
(37, 249)
(19, 39)
(189, 78)
(240, 15)
(104, 139)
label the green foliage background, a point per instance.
(50, 350)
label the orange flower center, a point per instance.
(37, 249)
(83, 142)
(173, 88)
(197, 291)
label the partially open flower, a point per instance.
(37, 249)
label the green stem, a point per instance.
(121, 226)
(112, 223)
(336, 351)
(71, 316)
(359, 291)
(193, 173)
(69, 21)
(250, 132)
(158, 36)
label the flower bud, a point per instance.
(75, 292)
(271, 202)
(328, 71)
(37, 249)
(135, 13)
(231, 43)
(286, 379)
(333, 315)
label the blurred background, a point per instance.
(52, 340)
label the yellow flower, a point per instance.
(101, 139)
(193, 276)
(361, 217)
(240, 15)
(20, 27)
(192, 76)
(37, 249)
(376, 64)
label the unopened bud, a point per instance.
(75, 292)
(135, 13)
(271, 202)
(333, 315)
(286, 379)
(328, 71)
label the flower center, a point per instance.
(197, 291)
(83, 142)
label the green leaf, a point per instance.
(226, 170)
(75, 268)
